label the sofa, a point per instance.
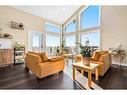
(103, 58)
(41, 65)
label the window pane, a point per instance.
(90, 17)
(51, 28)
(36, 40)
(70, 41)
(94, 38)
(52, 41)
(71, 27)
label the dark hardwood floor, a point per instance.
(115, 78)
(16, 77)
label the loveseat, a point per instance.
(41, 65)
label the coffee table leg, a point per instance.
(73, 72)
(96, 73)
(89, 79)
(82, 72)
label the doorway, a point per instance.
(35, 40)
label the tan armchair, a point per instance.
(103, 58)
(40, 65)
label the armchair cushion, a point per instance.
(43, 55)
(55, 58)
(32, 57)
(95, 56)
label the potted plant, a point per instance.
(86, 53)
(18, 46)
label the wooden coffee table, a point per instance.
(89, 69)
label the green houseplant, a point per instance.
(86, 53)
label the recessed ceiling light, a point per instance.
(63, 9)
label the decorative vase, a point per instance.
(86, 61)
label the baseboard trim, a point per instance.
(123, 64)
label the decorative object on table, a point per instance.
(86, 53)
(6, 35)
(118, 51)
(18, 46)
(16, 25)
(19, 53)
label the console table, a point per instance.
(6, 57)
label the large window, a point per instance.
(93, 38)
(89, 17)
(89, 26)
(70, 35)
(52, 38)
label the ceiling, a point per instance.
(58, 14)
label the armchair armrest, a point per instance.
(106, 58)
(31, 58)
(55, 58)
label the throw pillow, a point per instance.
(44, 57)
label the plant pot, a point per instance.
(86, 61)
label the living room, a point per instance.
(47, 29)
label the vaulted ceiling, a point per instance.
(58, 14)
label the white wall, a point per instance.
(114, 27)
(8, 14)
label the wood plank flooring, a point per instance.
(115, 78)
(17, 77)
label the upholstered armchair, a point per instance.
(103, 58)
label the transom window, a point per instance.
(89, 17)
(71, 27)
(52, 28)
